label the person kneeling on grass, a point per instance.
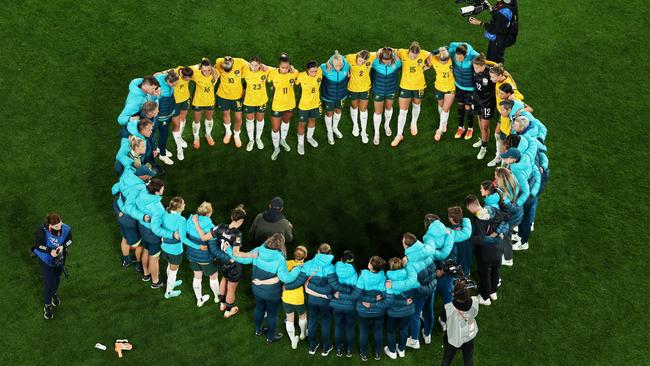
(229, 239)
(270, 262)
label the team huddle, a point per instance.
(397, 295)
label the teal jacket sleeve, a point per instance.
(524, 191)
(115, 189)
(123, 153)
(243, 260)
(299, 281)
(285, 276)
(187, 241)
(323, 290)
(356, 293)
(129, 110)
(157, 224)
(131, 207)
(334, 283)
(464, 233)
(538, 180)
(443, 253)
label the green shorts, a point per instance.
(182, 106)
(381, 98)
(175, 259)
(406, 93)
(248, 109)
(304, 116)
(290, 308)
(330, 106)
(234, 105)
(208, 269)
(204, 108)
(279, 113)
(440, 95)
(358, 95)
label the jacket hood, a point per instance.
(492, 200)
(522, 166)
(415, 252)
(323, 260)
(272, 215)
(396, 275)
(346, 273)
(374, 281)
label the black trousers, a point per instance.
(488, 273)
(450, 352)
(51, 279)
(496, 50)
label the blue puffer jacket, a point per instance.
(343, 280)
(440, 238)
(128, 185)
(369, 285)
(335, 83)
(165, 224)
(542, 158)
(404, 285)
(492, 200)
(463, 71)
(461, 233)
(420, 259)
(268, 264)
(385, 77)
(193, 242)
(144, 205)
(316, 271)
(521, 171)
(540, 128)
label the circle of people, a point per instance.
(398, 294)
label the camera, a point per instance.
(475, 7)
(58, 260)
(451, 268)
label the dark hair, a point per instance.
(377, 263)
(206, 62)
(506, 88)
(255, 58)
(429, 218)
(461, 293)
(480, 60)
(284, 57)
(348, 257)
(507, 104)
(512, 141)
(325, 249)
(52, 218)
(488, 185)
(409, 239)
(470, 199)
(150, 80)
(455, 213)
(311, 64)
(187, 72)
(364, 54)
(148, 107)
(155, 185)
(238, 213)
(395, 264)
(171, 77)
(461, 50)
(143, 123)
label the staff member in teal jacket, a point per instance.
(464, 55)
(334, 90)
(129, 185)
(400, 290)
(343, 280)
(141, 90)
(385, 77)
(368, 293)
(270, 262)
(52, 241)
(166, 105)
(169, 225)
(314, 275)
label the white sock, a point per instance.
(208, 126)
(250, 129)
(328, 124)
(196, 127)
(364, 120)
(354, 112)
(167, 270)
(440, 110)
(196, 285)
(444, 117)
(310, 132)
(388, 113)
(182, 128)
(415, 113)
(291, 329)
(284, 130)
(227, 128)
(275, 137)
(260, 128)
(301, 139)
(214, 286)
(401, 121)
(177, 138)
(237, 133)
(499, 143)
(335, 122)
(171, 279)
(302, 323)
(376, 121)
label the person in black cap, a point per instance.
(271, 221)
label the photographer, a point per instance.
(460, 325)
(52, 240)
(502, 29)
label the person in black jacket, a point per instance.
(269, 222)
(502, 29)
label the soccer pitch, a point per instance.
(574, 298)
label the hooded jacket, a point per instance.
(440, 238)
(369, 285)
(316, 272)
(404, 286)
(343, 280)
(268, 264)
(268, 223)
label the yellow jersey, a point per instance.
(230, 86)
(204, 91)
(504, 122)
(284, 97)
(256, 95)
(182, 88)
(444, 75)
(413, 70)
(297, 295)
(360, 74)
(310, 86)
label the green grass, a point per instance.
(574, 298)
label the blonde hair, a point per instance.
(415, 47)
(523, 121)
(325, 249)
(300, 253)
(498, 70)
(204, 209)
(175, 203)
(395, 264)
(276, 242)
(135, 142)
(336, 57)
(443, 54)
(507, 184)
